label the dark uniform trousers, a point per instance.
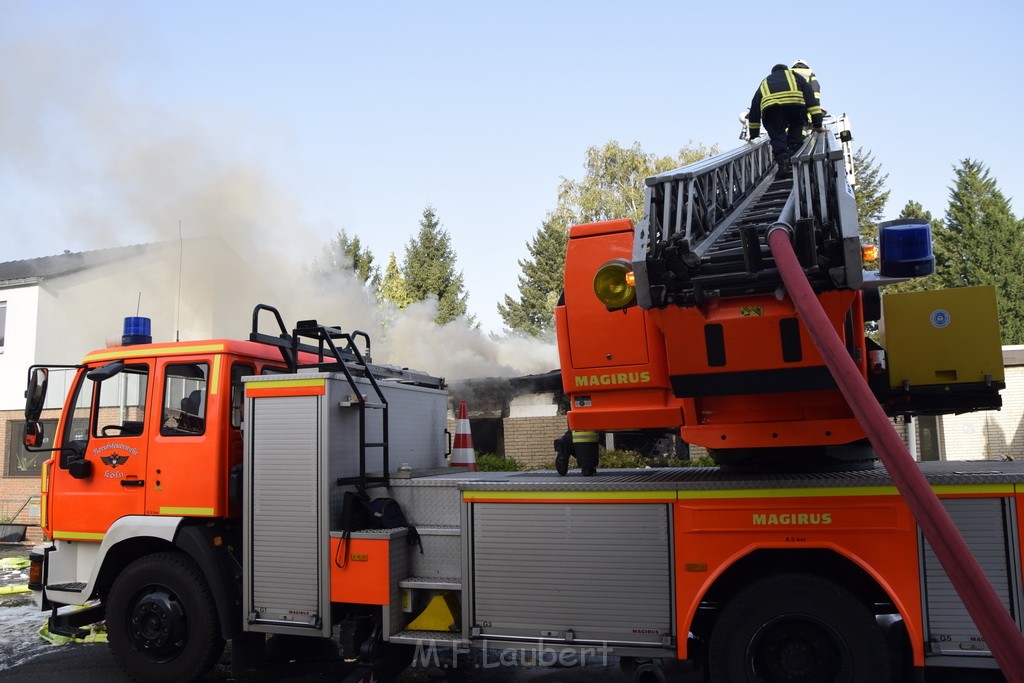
(784, 124)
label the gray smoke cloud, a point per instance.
(89, 167)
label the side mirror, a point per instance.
(35, 394)
(106, 372)
(33, 437)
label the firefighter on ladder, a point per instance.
(783, 102)
(802, 68)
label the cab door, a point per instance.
(187, 472)
(101, 472)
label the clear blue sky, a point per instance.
(118, 119)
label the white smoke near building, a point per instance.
(129, 172)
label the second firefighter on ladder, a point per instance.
(784, 101)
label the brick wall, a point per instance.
(529, 439)
(14, 491)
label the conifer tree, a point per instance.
(392, 285)
(870, 194)
(429, 269)
(982, 243)
(345, 254)
(540, 283)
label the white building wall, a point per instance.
(993, 434)
(18, 352)
(533, 405)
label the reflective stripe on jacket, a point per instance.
(584, 436)
(780, 88)
(811, 79)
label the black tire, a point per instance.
(161, 620)
(797, 628)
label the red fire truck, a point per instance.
(217, 490)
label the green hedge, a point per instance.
(489, 462)
(616, 459)
(627, 459)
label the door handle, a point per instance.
(133, 482)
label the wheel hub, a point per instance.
(796, 649)
(796, 659)
(157, 623)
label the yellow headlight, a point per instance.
(612, 284)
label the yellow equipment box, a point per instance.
(942, 337)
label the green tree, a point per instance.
(344, 254)
(540, 283)
(914, 209)
(613, 186)
(870, 194)
(429, 269)
(392, 285)
(982, 243)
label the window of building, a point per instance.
(3, 323)
(929, 439)
(184, 407)
(23, 463)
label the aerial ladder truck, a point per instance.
(218, 490)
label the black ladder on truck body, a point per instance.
(325, 337)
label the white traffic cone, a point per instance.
(462, 451)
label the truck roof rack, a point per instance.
(332, 357)
(347, 359)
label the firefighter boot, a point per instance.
(563, 449)
(584, 445)
(785, 166)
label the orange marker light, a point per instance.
(869, 252)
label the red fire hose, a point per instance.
(983, 604)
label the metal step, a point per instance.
(436, 637)
(439, 530)
(440, 583)
(723, 261)
(73, 587)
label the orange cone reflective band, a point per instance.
(462, 451)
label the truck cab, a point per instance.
(150, 430)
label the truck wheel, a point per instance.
(161, 620)
(797, 628)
